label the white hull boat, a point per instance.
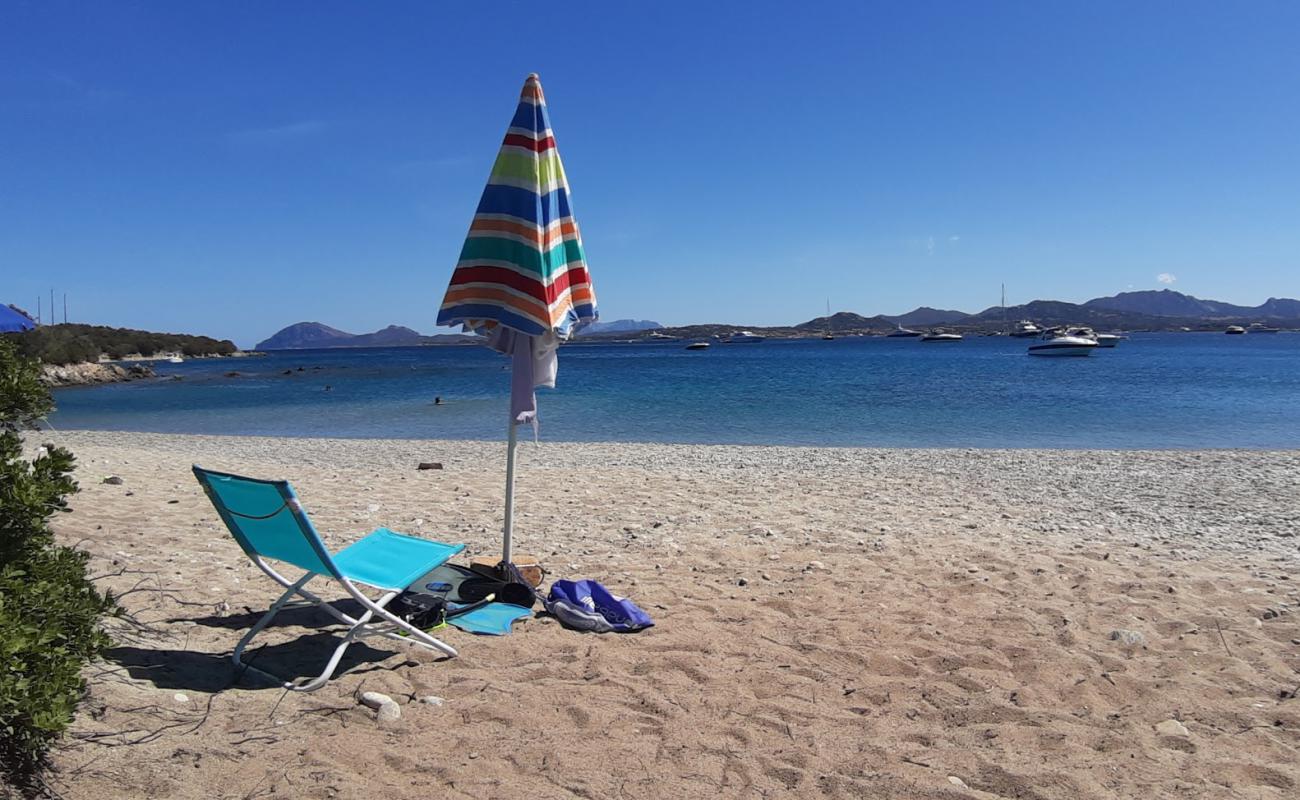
(941, 337)
(744, 337)
(1063, 346)
(698, 346)
(902, 333)
(1026, 330)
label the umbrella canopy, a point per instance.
(522, 275)
(13, 322)
(522, 265)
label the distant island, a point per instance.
(311, 335)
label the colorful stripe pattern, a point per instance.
(522, 265)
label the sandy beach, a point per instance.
(830, 622)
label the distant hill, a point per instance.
(845, 321)
(1169, 303)
(304, 335)
(620, 326)
(308, 335)
(925, 316)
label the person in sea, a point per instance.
(437, 400)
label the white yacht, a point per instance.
(745, 336)
(1063, 345)
(698, 346)
(1235, 329)
(1025, 329)
(941, 336)
(175, 360)
(1259, 327)
(902, 333)
(1107, 339)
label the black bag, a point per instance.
(421, 610)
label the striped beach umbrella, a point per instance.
(522, 278)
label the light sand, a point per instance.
(930, 623)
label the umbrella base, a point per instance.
(529, 567)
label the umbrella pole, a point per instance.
(512, 440)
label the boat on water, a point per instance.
(941, 336)
(902, 333)
(698, 346)
(1063, 345)
(1259, 327)
(175, 360)
(742, 337)
(1025, 329)
(1235, 329)
(1102, 339)
(658, 335)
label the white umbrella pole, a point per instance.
(511, 441)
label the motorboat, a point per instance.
(175, 360)
(1102, 339)
(658, 335)
(744, 337)
(1063, 346)
(698, 346)
(1025, 329)
(941, 336)
(828, 336)
(1108, 339)
(902, 333)
(1235, 329)
(1259, 327)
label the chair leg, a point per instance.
(263, 622)
(360, 627)
(416, 636)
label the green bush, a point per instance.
(50, 612)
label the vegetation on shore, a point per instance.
(50, 612)
(72, 343)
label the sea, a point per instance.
(1155, 390)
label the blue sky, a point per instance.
(229, 168)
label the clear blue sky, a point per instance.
(231, 167)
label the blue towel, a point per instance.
(493, 618)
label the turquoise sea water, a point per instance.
(1153, 391)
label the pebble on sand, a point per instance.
(375, 700)
(113, 480)
(1172, 727)
(1128, 637)
(389, 712)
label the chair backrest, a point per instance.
(267, 520)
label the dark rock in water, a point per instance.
(287, 372)
(232, 374)
(113, 480)
(430, 465)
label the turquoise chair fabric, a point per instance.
(390, 560)
(267, 520)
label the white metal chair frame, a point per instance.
(360, 627)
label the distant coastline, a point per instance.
(1164, 310)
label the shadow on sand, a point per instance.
(300, 657)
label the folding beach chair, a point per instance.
(267, 520)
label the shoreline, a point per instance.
(847, 622)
